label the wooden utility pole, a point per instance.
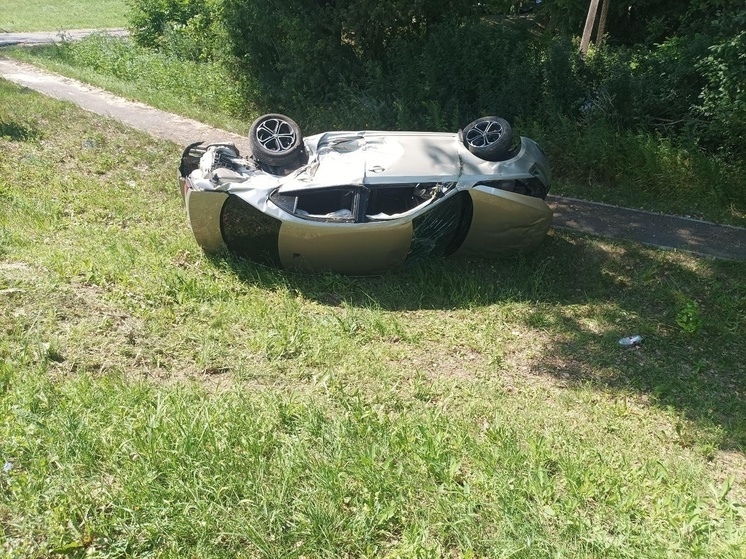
(602, 22)
(588, 29)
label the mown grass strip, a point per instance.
(59, 15)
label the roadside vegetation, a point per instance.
(652, 118)
(160, 403)
(204, 91)
(60, 15)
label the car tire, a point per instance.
(275, 140)
(489, 138)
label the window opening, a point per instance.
(328, 204)
(392, 201)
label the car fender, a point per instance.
(203, 213)
(504, 222)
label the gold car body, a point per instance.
(259, 215)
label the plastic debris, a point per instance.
(7, 467)
(631, 341)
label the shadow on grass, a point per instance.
(583, 294)
(19, 132)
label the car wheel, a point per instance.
(275, 140)
(489, 138)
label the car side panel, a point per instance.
(203, 211)
(504, 222)
(348, 248)
(250, 232)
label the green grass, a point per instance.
(160, 403)
(59, 15)
(203, 91)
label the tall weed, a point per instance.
(641, 169)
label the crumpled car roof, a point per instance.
(371, 157)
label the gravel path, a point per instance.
(653, 229)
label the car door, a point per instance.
(329, 231)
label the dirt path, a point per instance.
(659, 230)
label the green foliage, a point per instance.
(688, 316)
(637, 89)
(564, 89)
(151, 19)
(371, 26)
(668, 67)
(597, 157)
(206, 85)
(723, 97)
(442, 81)
(633, 22)
(565, 17)
(189, 29)
(292, 53)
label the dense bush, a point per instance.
(189, 29)
(291, 53)
(722, 100)
(669, 79)
(454, 73)
(667, 66)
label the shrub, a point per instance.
(189, 29)
(458, 72)
(722, 100)
(294, 53)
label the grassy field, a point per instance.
(160, 403)
(58, 15)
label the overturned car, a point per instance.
(366, 202)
